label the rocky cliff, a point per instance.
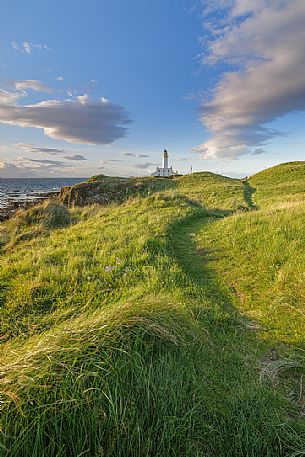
(104, 190)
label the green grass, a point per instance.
(262, 256)
(213, 191)
(122, 335)
(281, 184)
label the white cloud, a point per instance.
(76, 121)
(14, 46)
(24, 167)
(26, 47)
(33, 84)
(5, 166)
(9, 98)
(27, 166)
(10, 170)
(60, 78)
(265, 42)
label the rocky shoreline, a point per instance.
(12, 207)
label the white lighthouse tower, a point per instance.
(165, 159)
(165, 171)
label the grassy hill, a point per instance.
(167, 323)
(281, 184)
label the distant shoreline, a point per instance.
(23, 193)
(8, 211)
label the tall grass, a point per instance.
(118, 339)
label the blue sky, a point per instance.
(103, 86)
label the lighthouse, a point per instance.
(165, 159)
(164, 171)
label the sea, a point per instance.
(23, 190)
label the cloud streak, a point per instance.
(37, 149)
(130, 154)
(81, 120)
(31, 148)
(33, 84)
(263, 46)
(143, 166)
(27, 48)
(26, 167)
(45, 162)
(75, 157)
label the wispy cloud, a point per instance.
(44, 162)
(10, 170)
(264, 42)
(7, 168)
(106, 162)
(8, 98)
(26, 167)
(75, 157)
(32, 148)
(33, 84)
(27, 47)
(143, 166)
(258, 151)
(81, 120)
(184, 159)
(64, 153)
(130, 154)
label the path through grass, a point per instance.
(121, 335)
(247, 416)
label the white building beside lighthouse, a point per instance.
(164, 171)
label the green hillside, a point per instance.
(167, 322)
(281, 184)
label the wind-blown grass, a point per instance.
(118, 339)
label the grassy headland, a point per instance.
(157, 325)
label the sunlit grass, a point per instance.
(119, 338)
